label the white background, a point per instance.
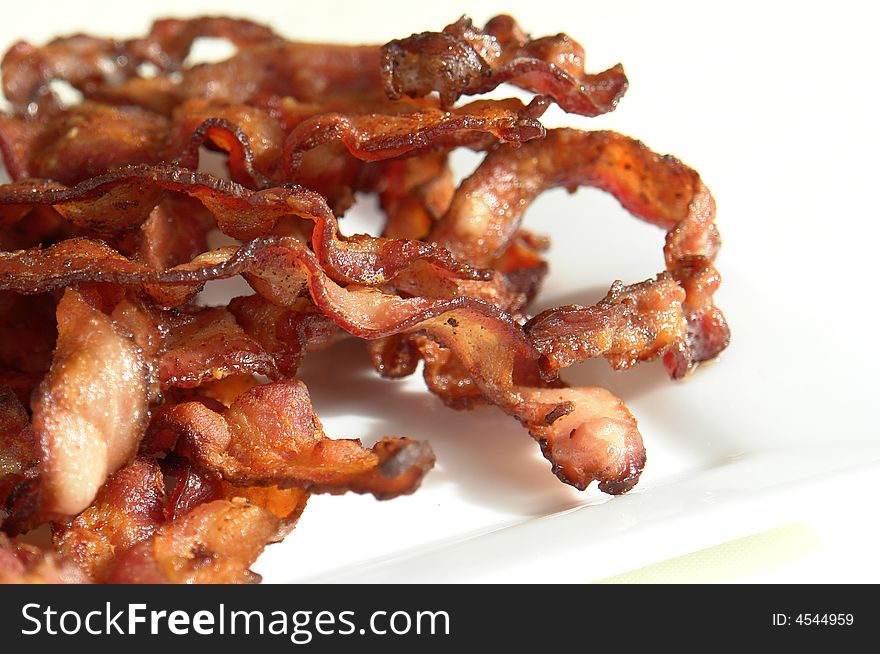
(775, 103)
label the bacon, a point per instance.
(186, 348)
(630, 324)
(486, 341)
(463, 60)
(216, 542)
(374, 137)
(127, 510)
(22, 563)
(658, 189)
(121, 200)
(18, 456)
(287, 333)
(194, 488)
(90, 411)
(84, 141)
(271, 437)
(87, 62)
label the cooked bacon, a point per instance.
(121, 200)
(194, 487)
(413, 193)
(488, 343)
(373, 137)
(27, 332)
(630, 324)
(22, 563)
(658, 189)
(463, 60)
(87, 62)
(175, 232)
(186, 348)
(85, 141)
(91, 410)
(149, 437)
(286, 333)
(270, 436)
(214, 543)
(127, 510)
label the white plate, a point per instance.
(774, 106)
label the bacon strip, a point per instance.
(91, 409)
(119, 201)
(287, 333)
(485, 339)
(658, 189)
(127, 510)
(271, 436)
(187, 348)
(463, 60)
(630, 324)
(265, 64)
(194, 487)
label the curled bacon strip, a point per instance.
(123, 199)
(90, 411)
(463, 60)
(265, 64)
(485, 339)
(186, 348)
(658, 189)
(271, 436)
(374, 137)
(630, 324)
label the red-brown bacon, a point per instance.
(271, 436)
(658, 189)
(464, 60)
(489, 344)
(90, 410)
(127, 510)
(120, 201)
(216, 542)
(106, 68)
(631, 324)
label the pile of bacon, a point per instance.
(166, 441)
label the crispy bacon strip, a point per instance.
(127, 510)
(187, 348)
(215, 543)
(83, 141)
(658, 189)
(121, 200)
(91, 409)
(374, 137)
(271, 436)
(630, 324)
(463, 60)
